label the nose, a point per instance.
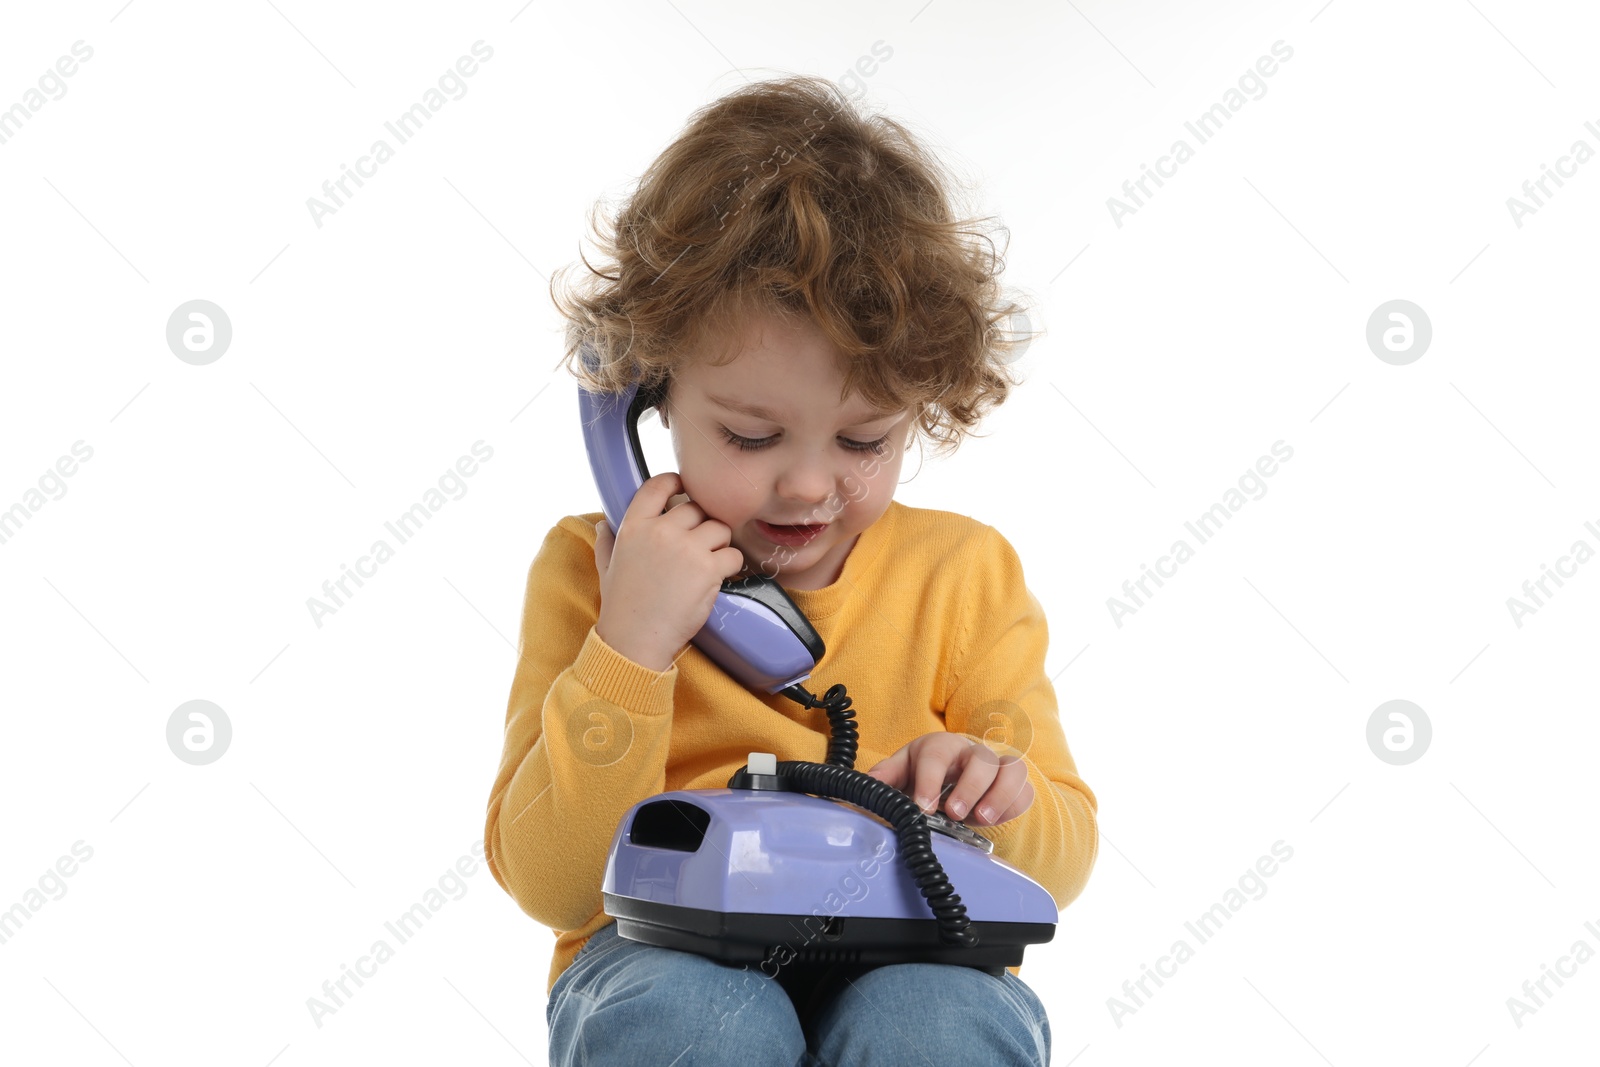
(809, 480)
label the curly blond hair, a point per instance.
(782, 198)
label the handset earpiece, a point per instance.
(755, 632)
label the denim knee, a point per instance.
(934, 1014)
(646, 1004)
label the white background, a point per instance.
(368, 354)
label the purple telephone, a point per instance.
(739, 873)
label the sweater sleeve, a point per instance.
(586, 738)
(1000, 693)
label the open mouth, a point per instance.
(790, 535)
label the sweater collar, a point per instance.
(821, 603)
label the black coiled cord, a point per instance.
(839, 780)
(842, 733)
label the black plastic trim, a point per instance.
(740, 937)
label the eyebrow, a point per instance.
(758, 412)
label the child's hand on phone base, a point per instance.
(991, 787)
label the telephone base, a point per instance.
(775, 940)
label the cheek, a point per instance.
(876, 472)
(721, 490)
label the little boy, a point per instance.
(793, 272)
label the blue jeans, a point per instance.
(622, 1002)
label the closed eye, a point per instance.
(749, 444)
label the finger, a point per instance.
(933, 769)
(603, 540)
(978, 773)
(1020, 805)
(651, 498)
(711, 533)
(733, 561)
(1011, 811)
(892, 771)
(686, 515)
(1007, 798)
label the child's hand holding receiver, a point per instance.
(660, 579)
(983, 780)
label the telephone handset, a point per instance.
(755, 632)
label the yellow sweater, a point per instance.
(930, 627)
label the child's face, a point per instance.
(806, 471)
